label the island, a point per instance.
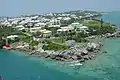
(68, 36)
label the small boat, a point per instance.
(77, 64)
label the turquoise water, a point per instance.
(112, 17)
(16, 66)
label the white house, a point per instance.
(46, 33)
(66, 18)
(40, 24)
(63, 29)
(84, 28)
(54, 26)
(12, 37)
(35, 29)
(20, 27)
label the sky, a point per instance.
(22, 7)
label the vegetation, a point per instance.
(59, 40)
(67, 22)
(99, 27)
(28, 39)
(80, 40)
(79, 37)
(34, 43)
(4, 31)
(37, 34)
(52, 46)
(53, 29)
(25, 38)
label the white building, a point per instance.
(46, 33)
(35, 29)
(63, 29)
(84, 28)
(20, 27)
(12, 37)
(40, 24)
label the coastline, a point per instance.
(76, 55)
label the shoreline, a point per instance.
(78, 54)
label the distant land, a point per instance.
(69, 12)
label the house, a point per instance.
(84, 28)
(12, 37)
(40, 24)
(20, 27)
(54, 26)
(35, 29)
(66, 18)
(63, 29)
(46, 33)
(76, 25)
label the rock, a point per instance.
(47, 56)
(52, 56)
(74, 58)
(79, 57)
(91, 46)
(86, 57)
(82, 60)
(84, 51)
(58, 58)
(70, 43)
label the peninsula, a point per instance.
(68, 36)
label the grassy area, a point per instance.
(99, 28)
(52, 46)
(59, 40)
(29, 40)
(96, 23)
(27, 34)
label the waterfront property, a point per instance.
(67, 37)
(102, 67)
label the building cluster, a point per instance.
(36, 23)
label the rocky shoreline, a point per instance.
(80, 52)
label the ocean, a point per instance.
(112, 17)
(106, 66)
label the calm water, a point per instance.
(112, 17)
(16, 66)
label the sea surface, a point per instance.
(112, 17)
(106, 66)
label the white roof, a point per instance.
(75, 23)
(43, 30)
(12, 36)
(62, 30)
(84, 27)
(67, 27)
(47, 31)
(19, 26)
(36, 28)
